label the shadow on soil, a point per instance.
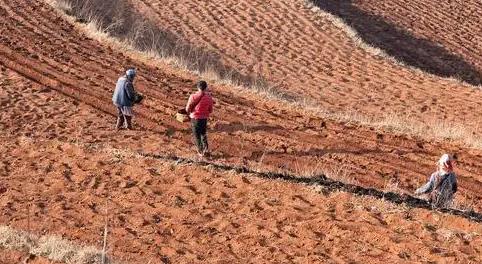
(318, 152)
(329, 185)
(238, 126)
(400, 44)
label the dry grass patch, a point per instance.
(374, 205)
(433, 130)
(341, 174)
(51, 247)
(463, 202)
(63, 5)
(119, 24)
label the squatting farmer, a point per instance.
(442, 184)
(124, 99)
(199, 107)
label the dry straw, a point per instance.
(53, 248)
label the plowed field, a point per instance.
(163, 212)
(305, 54)
(453, 25)
(272, 135)
(62, 164)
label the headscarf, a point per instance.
(445, 163)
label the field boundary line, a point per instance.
(358, 41)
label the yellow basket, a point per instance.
(182, 116)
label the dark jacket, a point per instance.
(124, 93)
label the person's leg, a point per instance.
(204, 138)
(197, 135)
(120, 119)
(128, 114)
(128, 122)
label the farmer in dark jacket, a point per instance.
(124, 98)
(199, 107)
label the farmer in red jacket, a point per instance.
(199, 107)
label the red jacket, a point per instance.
(200, 105)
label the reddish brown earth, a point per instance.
(288, 139)
(305, 55)
(62, 165)
(160, 211)
(454, 25)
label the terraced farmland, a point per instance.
(307, 54)
(453, 25)
(65, 171)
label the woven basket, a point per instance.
(138, 98)
(182, 116)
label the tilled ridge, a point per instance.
(309, 55)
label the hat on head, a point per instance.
(131, 72)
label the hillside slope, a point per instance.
(64, 170)
(453, 25)
(305, 53)
(173, 213)
(274, 136)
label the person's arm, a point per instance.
(131, 93)
(427, 187)
(189, 104)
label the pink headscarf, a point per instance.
(445, 163)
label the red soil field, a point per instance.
(455, 25)
(187, 214)
(62, 161)
(305, 55)
(277, 137)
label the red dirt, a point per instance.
(287, 138)
(455, 25)
(57, 160)
(160, 211)
(306, 55)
